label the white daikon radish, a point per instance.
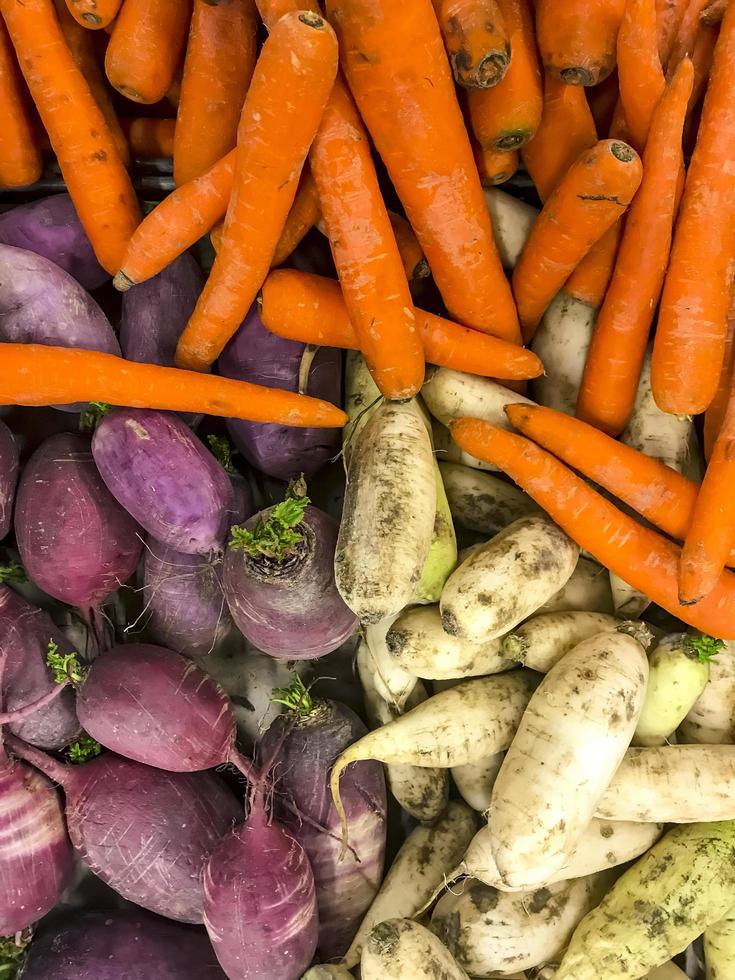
(588, 588)
(362, 397)
(392, 682)
(542, 641)
(719, 948)
(481, 502)
(447, 450)
(512, 220)
(450, 395)
(399, 948)
(561, 342)
(475, 781)
(325, 971)
(711, 720)
(669, 971)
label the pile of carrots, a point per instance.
(621, 111)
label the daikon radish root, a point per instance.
(481, 502)
(577, 727)
(451, 395)
(427, 855)
(587, 589)
(542, 641)
(711, 720)
(671, 895)
(442, 557)
(507, 579)
(418, 642)
(362, 397)
(561, 342)
(512, 220)
(399, 948)
(475, 781)
(672, 784)
(465, 723)
(392, 682)
(719, 947)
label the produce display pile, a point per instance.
(367, 531)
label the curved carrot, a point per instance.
(34, 374)
(93, 14)
(419, 132)
(640, 556)
(668, 18)
(592, 195)
(714, 12)
(149, 138)
(95, 175)
(640, 75)
(289, 90)
(716, 409)
(219, 62)
(692, 323)
(20, 154)
(507, 116)
(577, 38)
(476, 40)
(310, 308)
(567, 129)
(618, 345)
(145, 48)
(686, 36)
(303, 215)
(495, 166)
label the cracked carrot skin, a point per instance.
(577, 38)
(20, 154)
(640, 75)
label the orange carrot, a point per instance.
(507, 116)
(589, 199)
(668, 18)
(219, 62)
(414, 264)
(603, 100)
(309, 308)
(702, 58)
(714, 12)
(94, 14)
(419, 133)
(149, 138)
(476, 40)
(495, 166)
(641, 557)
(20, 154)
(303, 215)
(686, 36)
(692, 323)
(716, 410)
(640, 75)
(618, 346)
(577, 38)
(146, 46)
(567, 129)
(95, 175)
(34, 374)
(289, 90)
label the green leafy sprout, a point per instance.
(12, 953)
(295, 697)
(66, 666)
(275, 537)
(223, 451)
(703, 647)
(13, 571)
(91, 415)
(84, 749)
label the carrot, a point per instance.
(567, 129)
(83, 46)
(419, 133)
(219, 62)
(95, 175)
(714, 12)
(34, 374)
(618, 346)
(702, 57)
(146, 46)
(289, 90)
(668, 18)
(20, 154)
(303, 215)
(716, 410)
(641, 557)
(414, 262)
(309, 308)
(686, 35)
(589, 199)
(577, 38)
(149, 138)
(495, 166)
(215, 236)
(640, 74)
(692, 323)
(603, 100)
(94, 14)
(476, 40)
(507, 116)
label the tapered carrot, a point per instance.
(589, 199)
(419, 132)
(577, 38)
(702, 58)
(146, 46)
(289, 90)
(716, 410)
(95, 175)
(414, 262)
(219, 62)
(34, 374)
(714, 11)
(94, 14)
(310, 308)
(149, 138)
(692, 323)
(495, 166)
(507, 116)
(686, 36)
(618, 345)
(20, 154)
(567, 128)
(668, 18)
(476, 40)
(641, 557)
(303, 215)
(640, 75)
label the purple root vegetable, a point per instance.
(279, 582)
(120, 945)
(75, 540)
(146, 833)
(308, 748)
(255, 354)
(50, 227)
(243, 504)
(165, 477)
(8, 477)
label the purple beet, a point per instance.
(165, 477)
(76, 542)
(8, 477)
(146, 833)
(255, 354)
(120, 945)
(50, 227)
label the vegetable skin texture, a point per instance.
(301, 218)
(577, 42)
(20, 154)
(543, 640)
(640, 74)
(685, 882)
(512, 220)
(562, 341)
(482, 502)
(475, 781)
(9, 466)
(75, 541)
(94, 14)
(677, 677)
(587, 589)
(397, 945)
(450, 394)
(711, 720)
(718, 406)
(149, 138)
(495, 167)
(718, 947)
(476, 41)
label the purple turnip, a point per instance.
(165, 477)
(76, 542)
(8, 477)
(243, 505)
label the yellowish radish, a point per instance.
(542, 641)
(399, 948)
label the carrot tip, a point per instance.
(121, 282)
(576, 76)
